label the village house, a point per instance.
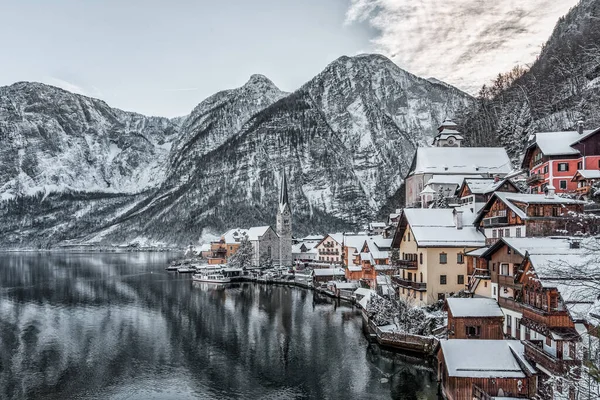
(474, 318)
(485, 369)
(324, 275)
(525, 215)
(330, 249)
(304, 252)
(477, 191)
(376, 228)
(432, 245)
(226, 246)
(553, 158)
(369, 259)
(585, 179)
(446, 167)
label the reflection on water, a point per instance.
(119, 326)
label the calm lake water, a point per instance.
(118, 326)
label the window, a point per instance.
(500, 233)
(562, 185)
(494, 291)
(460, 258)
(473, 330)
(421, 296)
(563, 167)
(518, 232)
(421, 258)
(545, 169)
(442, 279)
(494, 234)
(461, 279)
(508, 324)
(556, 211)
(408, 235)
(484, 283)
(579, 165)
(443, 258)
(507, 250)
(507, 232)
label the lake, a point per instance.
(118, 326)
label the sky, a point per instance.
(164, 57)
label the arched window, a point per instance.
(421, 259)
(421, 276)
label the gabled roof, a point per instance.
(461, 160)
(586, 174)
(511, 198)
(468, 358)
(474, 307)
(233, 236)
(436, 228)
(524, 244)
(256, 232)
(485, 185)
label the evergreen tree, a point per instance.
(440, 199)
(243, 256)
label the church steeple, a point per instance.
(284, 224)
(283, 194)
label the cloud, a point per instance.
(463, 42)
(63, 84)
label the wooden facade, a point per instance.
(467, 388)
(475, 327)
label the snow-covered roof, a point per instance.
(374, 225)
(483, 186)
(355, 241)
(233, 236)
(484, 358)
(312, 238)
(589, 173)
(345, 285)
(510, 198)
(205, 247)
(328, 272)
(559, 143)
(257, 232)
(354, 268)
(363, 292)
(379, 241)
(539, 245)
(461, 160)
(365, 300)
(477, 252)
(380, 255)
(436, 228)
(474, 307)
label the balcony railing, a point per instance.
(548, 361)
(554, 318)
(494, 221)
(505, 280)
(511, 304)
(407, 264)
(421, 286)
(329, 252)
(583, 190)
(401, 281)
(534, 178)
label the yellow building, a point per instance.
(432, 245)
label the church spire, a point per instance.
(283, 195)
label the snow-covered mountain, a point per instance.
(54, 140)
(346, 139)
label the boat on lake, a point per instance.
(211, 277)
(186, 270)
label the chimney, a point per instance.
(496, 178)
(459, 219)
(580, 127)
(550, 190)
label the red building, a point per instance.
(555, 157)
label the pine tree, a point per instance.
(440, 199)
(243, 256)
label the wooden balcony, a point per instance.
(401, 282)
(420, 286)
(495, 221)
(535, 178)
(510, 304)
(552, 319)
(583, 190)
(329, 252)
(407, 264)
(534, 353)
(508, 281)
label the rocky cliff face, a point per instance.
(346, 139)
(53, 140)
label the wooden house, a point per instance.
(553, 158)
(585, 179)
(474, 318)
(480, 190)
(484, 369)
(527, 215)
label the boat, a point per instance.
(186, 270)
(172, 268)
(211, 277)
